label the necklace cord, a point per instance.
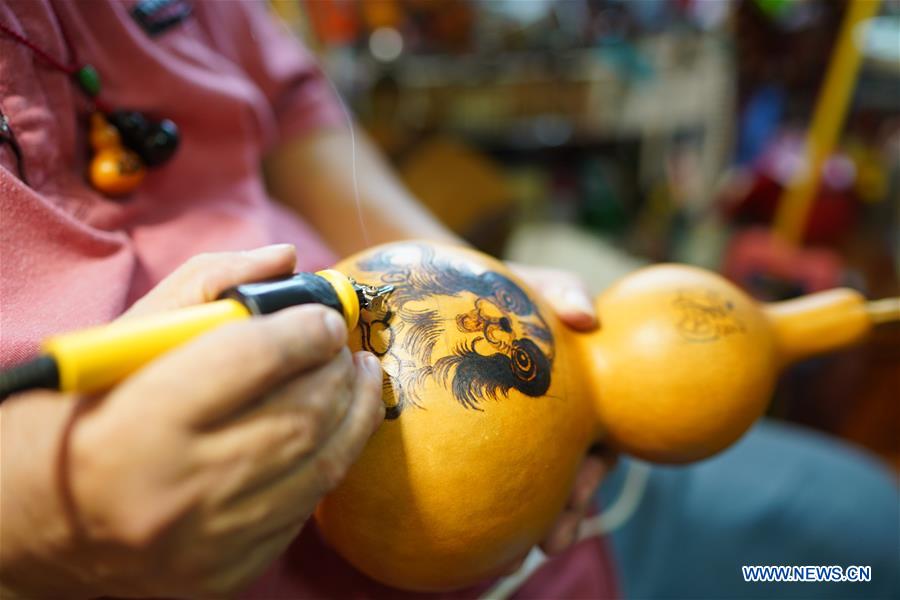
(68, 69)
(89, 85)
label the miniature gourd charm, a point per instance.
(492, 402)
(114, 170)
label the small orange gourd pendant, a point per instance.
(114, 170)
(492, 402)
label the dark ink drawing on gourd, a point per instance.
(705, 316)
(506, 343)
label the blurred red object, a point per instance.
(773, 269)
(754, 194)
(335, 22)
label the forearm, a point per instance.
(314, 176)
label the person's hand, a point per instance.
(196, 472)
(570, 300)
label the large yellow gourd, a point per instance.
(492, 402)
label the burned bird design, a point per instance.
(506, 343)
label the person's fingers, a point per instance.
(591, 472)
(248, 562)
(203, 277)
(231, 368)
(267, 442)
(562, 534)
(297, 491)
(364, 417)
(564, 291)
(303, 411)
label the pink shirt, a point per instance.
(235, 83)
(232, 81)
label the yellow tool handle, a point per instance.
(96, 359)
(346, 295)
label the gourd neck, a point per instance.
(591, 364)
(819, 323)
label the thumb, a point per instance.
(204, 276)
(572, 305)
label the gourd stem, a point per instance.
(886, 310)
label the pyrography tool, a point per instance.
(95, 359)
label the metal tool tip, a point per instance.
(372, 298)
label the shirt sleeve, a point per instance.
(301, 96)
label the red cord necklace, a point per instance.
(124, 142)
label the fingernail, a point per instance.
(372, 365)
(579, 301)
(335, 325)
(272, 250)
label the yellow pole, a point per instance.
(827, 120)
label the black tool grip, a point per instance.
(40, 372)
(264, 297)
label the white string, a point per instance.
(354, 174)
(508, 585)
(617, 514)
